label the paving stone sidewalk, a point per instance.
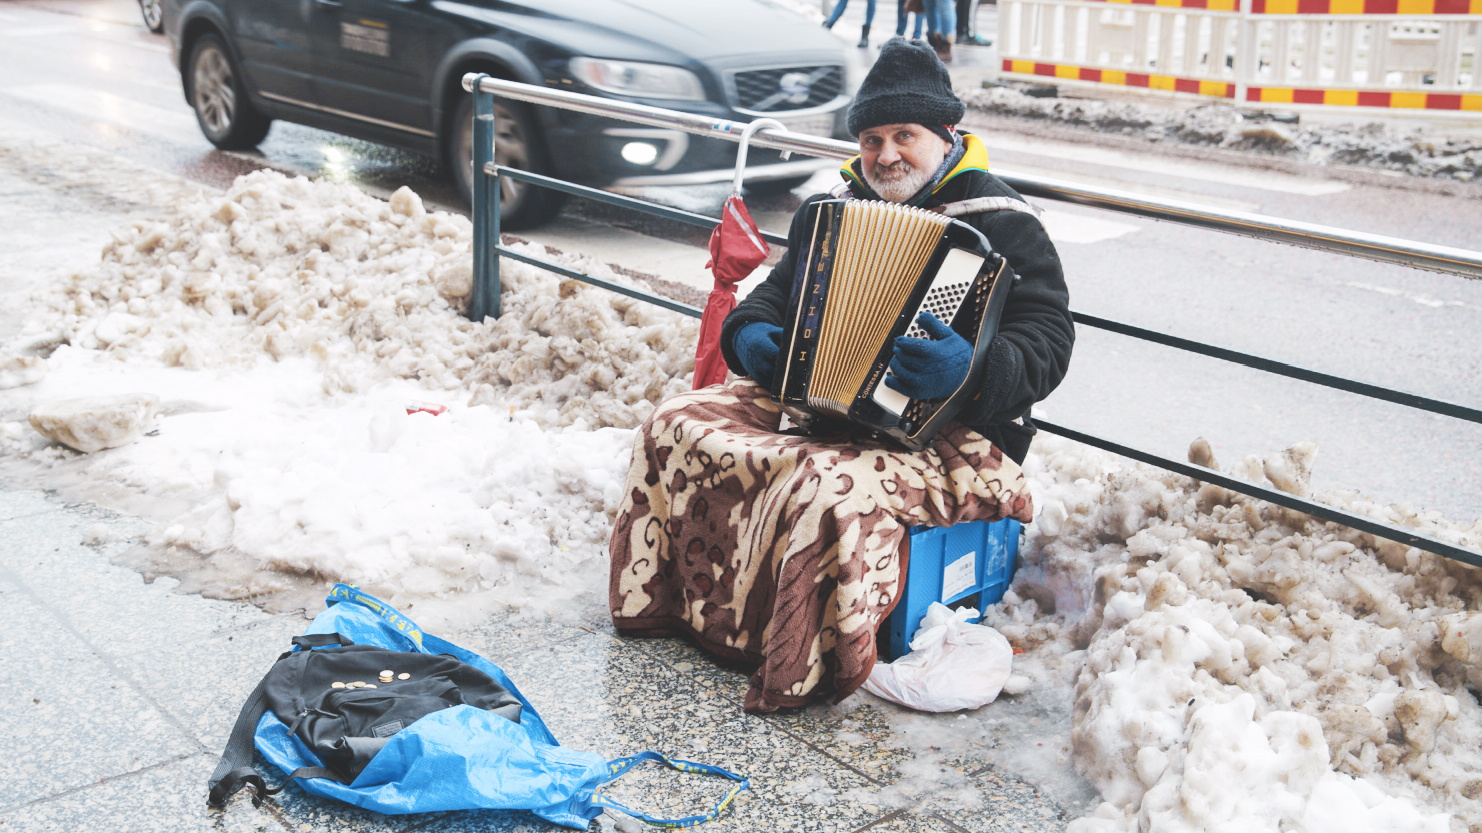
(118, 697)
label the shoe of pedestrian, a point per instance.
(942, 45)
(975, 40)
(864, 36)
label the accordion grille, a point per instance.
(883, 248)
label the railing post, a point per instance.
(485, 298)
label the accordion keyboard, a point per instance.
(919, 409)
(942, 301)
(949, 289)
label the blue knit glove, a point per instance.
(930, 368)
(757, 345)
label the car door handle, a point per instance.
(329, 4)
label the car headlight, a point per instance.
(639, 80)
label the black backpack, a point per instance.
(346, 702)
(405, 722)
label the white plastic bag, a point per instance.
(953, 664)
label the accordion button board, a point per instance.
(951, 285)
(869, 269)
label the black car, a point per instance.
(389, 71)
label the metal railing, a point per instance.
(488, 249)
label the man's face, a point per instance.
(898, 159)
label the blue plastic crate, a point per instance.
(950, 563)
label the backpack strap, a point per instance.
(618, 766)
(235, 769)
(310, 641)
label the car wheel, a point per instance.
(219, 98)
(516, 145)
(154, 15)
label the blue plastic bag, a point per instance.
(462, 758)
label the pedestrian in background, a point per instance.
(864, 31)
(941, 26)
(904, 8)
(967, 24)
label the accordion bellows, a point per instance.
(869, 269)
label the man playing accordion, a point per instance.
(780, 551)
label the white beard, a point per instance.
(901, 181)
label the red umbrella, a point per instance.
(736, 248)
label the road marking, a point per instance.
(1066, 227)
(1261, 180)
(112, 30)
(1414, 297)
(40, 31)
(125, 112)
(1153, 191)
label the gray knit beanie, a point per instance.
(907, 85)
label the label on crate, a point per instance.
(959, 577)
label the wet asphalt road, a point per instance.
(87, 71)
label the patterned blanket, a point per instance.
(783, 552)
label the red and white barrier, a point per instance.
(1395, 54)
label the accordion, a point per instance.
(867, 271)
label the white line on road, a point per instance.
(41, 31)
(1247, 178)
(1414, 297)
(1140, 189)
(1065, 227)
(135, 115)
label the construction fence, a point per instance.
(1413, 55)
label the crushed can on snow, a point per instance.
(426, 408)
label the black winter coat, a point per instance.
(1030, 354)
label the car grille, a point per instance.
(763, 90)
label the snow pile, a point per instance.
(470, 505)
(283, 327)
(367, 289)
(1221, 125)
(1238, 666)
(94, 423)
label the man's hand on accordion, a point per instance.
(757, 345)
(930, 368)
